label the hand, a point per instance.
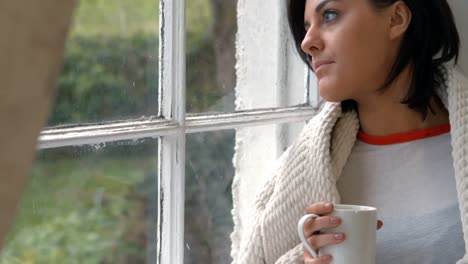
(312, 231)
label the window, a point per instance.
(153, 121)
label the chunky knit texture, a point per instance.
(308, 171)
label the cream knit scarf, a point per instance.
(308, 171)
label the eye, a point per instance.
(329, 15)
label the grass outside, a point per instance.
(128, 17)
(86, 210)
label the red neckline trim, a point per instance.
(404, 137)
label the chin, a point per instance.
(331, 91)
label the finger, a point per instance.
(379, 224)
(307, 254)
(321, 260)
(320, 208)
(308, 258)
(323, 240)
(319, 223)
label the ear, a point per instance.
(400, 19)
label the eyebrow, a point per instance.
(322, 4)
(319, 8)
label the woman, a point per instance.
(393, 134)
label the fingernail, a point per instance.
(327, 205)
(334, 220)
(325, 258)
(339, 236)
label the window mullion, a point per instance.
(143, 128)
(171, 176)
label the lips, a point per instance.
(318, 64)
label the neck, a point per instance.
(383, 114)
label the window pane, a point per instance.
(88, 204)
(110, 67)
(246, 58)
(208, 198)
(209, 176)
(211, 77)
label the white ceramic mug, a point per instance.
(359, 224)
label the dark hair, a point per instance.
(431, 40)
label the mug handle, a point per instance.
(300, 230)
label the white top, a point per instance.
(421, 221)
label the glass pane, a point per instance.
(266, 70)
(110, 67)
(208, 198)
(88, 204)
(211, 77)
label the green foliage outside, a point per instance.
(95, 204)
(107, 78)
(110, 72)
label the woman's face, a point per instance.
(350, 45)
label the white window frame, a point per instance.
(172, 127)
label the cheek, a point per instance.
(344, 80)
(360, 53)
(366, 55)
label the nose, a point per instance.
(312, 41)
